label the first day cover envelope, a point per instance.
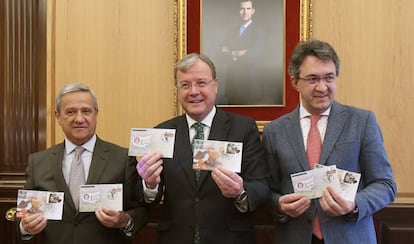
(312, 183)
(348, 182)
(101, 195)
(210, 154)
(144, 140)
(49, 204)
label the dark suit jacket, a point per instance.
(242, 74)
(353, 141)
(110, 164)
(187, 203)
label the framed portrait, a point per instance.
(244, 39)
(252, 73)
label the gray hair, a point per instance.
(75, 87)
(317, 48)
(189, 60)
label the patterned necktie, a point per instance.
(199, 128)
(313, 153)
(77, 175)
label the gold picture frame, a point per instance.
(298, 27)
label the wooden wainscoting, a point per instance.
(393, 224)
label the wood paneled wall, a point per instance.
(23, 83)
(125, 50)
(375, 41)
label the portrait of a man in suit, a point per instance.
(245, 39)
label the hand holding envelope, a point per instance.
(230, 183)
(333, 203)
(335, 187)
(149, 168)
(312, 183)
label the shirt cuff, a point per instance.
(24, 235)
(242, 204)
(129, 227)
(149, 194)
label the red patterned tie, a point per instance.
(313, 153)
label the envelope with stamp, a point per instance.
(100, 195)
(210, 154)
(348, 182)
(144, 140)
(49, 204)
(312, 183)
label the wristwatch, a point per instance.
(129, 226)
(352, 216)
(241, 196)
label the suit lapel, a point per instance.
(57, 159)
(220, 127)
(185, 156)
(336, 123)
(295, 136)
(219, 130)
(99, 161)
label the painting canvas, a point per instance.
(245, 40)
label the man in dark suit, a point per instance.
(214, 207)
(243, 50)
(103, 162)
(349, 138)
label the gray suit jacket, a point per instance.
(110, 164)
(187, 202)
(353, 141)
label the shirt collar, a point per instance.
(89, 145)
(208, 120)
(247, 24)
(303, 113)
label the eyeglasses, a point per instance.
(189, 85)
(328, 79)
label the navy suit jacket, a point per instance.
(353, 141)
(187, 202)
(242, 75)
(110, 164)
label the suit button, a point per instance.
(197, 199)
